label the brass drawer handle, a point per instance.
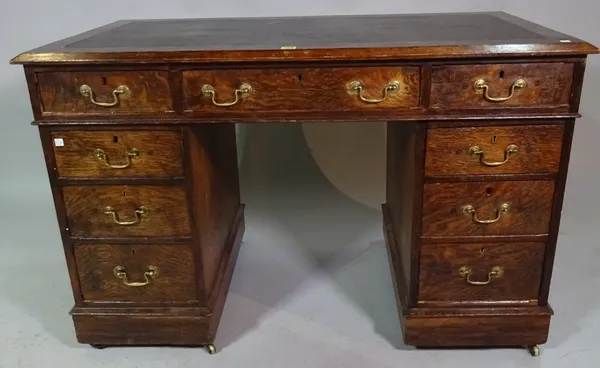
(356, 86)
(496, 272)
(470, 211)
(102, 156)
(244, 90)
(138, 215)
(121, 273)
(121, 92)
(481, 87)
(510, 150)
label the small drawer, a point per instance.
(325, 89)
(110, 93)
(498, 86)
(126, 210)
(103, 153)
(501, 272)
(494, 150)
(136, 272)
(487, 208)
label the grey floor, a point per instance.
(312, 287)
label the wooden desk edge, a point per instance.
(336, 54)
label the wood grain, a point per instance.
(530, 208)
(118, 324)
(561, 182)
(401, 279)
(300, 68)
(149, 92)
(310, 89)
(175, 282)
(215, 196)
(166, 216)
(222, 280)
(548, 85)
(405, 155)
(439, 279)
(61, 216)
(539, 150)
(160, 153)
(400, 199)
(142, 329)
(476, 331)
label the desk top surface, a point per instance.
(364, 37)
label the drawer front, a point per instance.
(487, 208)
(126, 210)
(498, 86)
(136, 272)
(102, 153)
(481, 272)
(110, 93)
(327, 89)
(494, 150)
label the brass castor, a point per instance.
(210, 348)
(534, 350)
(98, 346)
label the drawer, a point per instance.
(126, 210)
(136, 272)
(480, 272)
(110, 93)
(494, 150)
(315, 89)
(498, 86)
(102, 153)
(487, 208)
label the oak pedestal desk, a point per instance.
(136, 123)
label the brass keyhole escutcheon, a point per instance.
(494, 139)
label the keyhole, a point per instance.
(501, 75)
(300, 77)
(494, 138)
(488, 192)
(115, 139)
(123, 193)
(103, 81)
(482, 250)
(133, 251)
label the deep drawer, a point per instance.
(487, 272)
(136, 272)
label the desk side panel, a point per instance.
(405, 154)
(215, 196)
